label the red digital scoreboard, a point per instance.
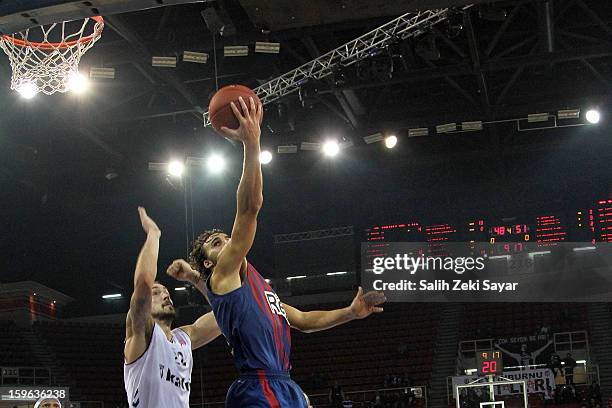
(592, 223)
(489, 363)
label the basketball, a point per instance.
(219, 109)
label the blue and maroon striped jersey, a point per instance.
(254, 324)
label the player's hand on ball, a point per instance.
(180, 270)
(148, 225)
(249, 118)
(365, 305)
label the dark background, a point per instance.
(62, 223)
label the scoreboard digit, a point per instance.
(489, 362)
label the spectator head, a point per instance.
(48, 403)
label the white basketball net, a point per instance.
(47, 66)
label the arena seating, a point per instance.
(485, 320)
(92, 354)
(359, 355)
(15, 351)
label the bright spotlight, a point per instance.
(593, 116)
(27, 89)
(331, 148)
(265, 157)
(215, 163)
(390, 141)
(77, 83)
(176, 168)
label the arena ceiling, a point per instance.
(478, 66)
(71, 164)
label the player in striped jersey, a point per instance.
(253, 320)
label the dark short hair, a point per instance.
(198, 254)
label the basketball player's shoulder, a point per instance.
(133, 353)
(182, 335)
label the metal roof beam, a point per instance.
(403, 27)
(116, 24)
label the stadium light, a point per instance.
(446, 128)
(532, 254)
(77, 83)
(331, 148)
(289, 278)
(471, 126)
(164, 62)
(390, 141)
(593, 116)
(196, 57)
(346, 145)
(267, 47)
(265, 157)
(27, 89)
(176, 168)
(376, 137)
(215, 164)
(236, 51)
(418, 132)
(568, 113)
(587, 248)
(112, 296)
(101, 72)
(287, 149)
(310, 146)
(336, 273)
(537, 117)
(181, 288)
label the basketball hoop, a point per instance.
(52, 64)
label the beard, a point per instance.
(164, 314)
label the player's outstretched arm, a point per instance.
(139, 322)
(202, 331)
(205, 329)
(249, 197)
(361, 307)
